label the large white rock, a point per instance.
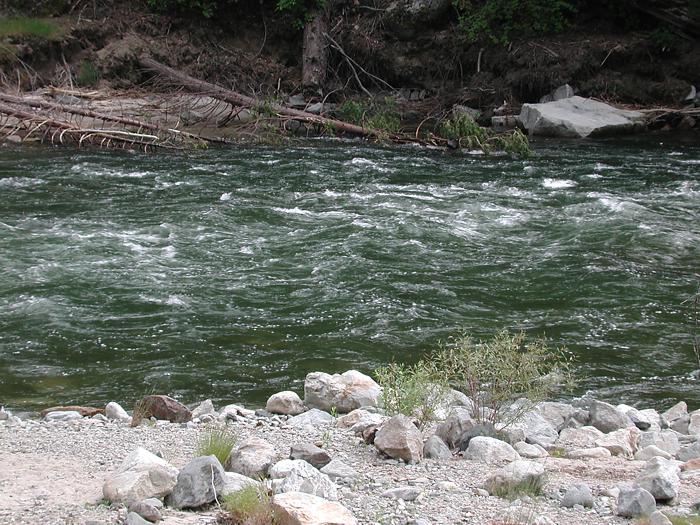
(661, 478)
(399, 438)
(252, 458)
(634, 502)
(584, 437)
(556, 414)
(622, 442)
(235, 482)
(516, 473)
(578, 117)
(490, 450)
(287, 402)
(141, 475)
(313, 417)
(302, 477)
(114, 410)
(336, 470)
(344, 392)
(536, 429)
(297, 508)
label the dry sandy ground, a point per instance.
(52, 473)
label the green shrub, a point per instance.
(88, 74)
(511, 491)
(352, 111)
(411, 390)
(465, 131)
(217, 442)
(514, 143)
(502, 21)
(29, 27)
(497, 372)
(250, 506)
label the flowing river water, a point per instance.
(230, 274)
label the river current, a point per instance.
(230, 274)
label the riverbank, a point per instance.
(53, 470)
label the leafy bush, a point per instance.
(501, 21)
(411, 390)
(468, 134)
(497, 372)
(29, 27)
(250, 506)
(217, 442)
(515, 143)
(352, 111)
(88, 74)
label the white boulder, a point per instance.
(344, 392)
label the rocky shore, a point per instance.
(333, 457)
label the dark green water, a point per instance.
(231, 274)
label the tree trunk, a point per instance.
(314, 60)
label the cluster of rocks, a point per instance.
(306, 481)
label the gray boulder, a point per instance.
(584, 437)
(694, 423)
(252, 458)
(455, 425)
(198, 483)
(62, 415)
(661, 478)
(132, 518)
(147, 509)
(205, 408)
(313, 417)
(310, 453)
(578, 117)
(435, 448)
(302, 477)
(666, 440)
(606, 417)
(399, 438)
(677, 418)
(634, 502)
(621, 442)
(640, 420)
(515, 474)
(688, 452)
(556, 414)
(141, 475)
(659, 518)
(537, 430)
(578, 495)
(651, 451)
(287, 402)
(528, 451)
(344, 392)
(490, 450)
(337, 470)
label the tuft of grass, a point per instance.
(511, 491)
(30, 27)
(88, 74)
(250, 506)
(217, 442)
(557, 453)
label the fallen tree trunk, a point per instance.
(238, 99)
(101, 116)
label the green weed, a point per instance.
(530, 487)
(30, 27)
(88, 74)
(250, 506)
(217, 442)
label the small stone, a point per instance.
(399, 438)
(311, 454)
(134, 519)
(337, 470)
(114, 410)
(435, 448)
(634, 502)
(659, 518)
(578, 495)
(313, 417)
(404, 493)
(651, 451)
(529, 451)
(447, 486)
(482, 492)
(235, 482)
(287, 403)
(146, 510)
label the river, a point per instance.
(230, 274)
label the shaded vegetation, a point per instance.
(29, 27)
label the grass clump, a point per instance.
(531, 487)
(497, 372)
(467, 133)
(29, 27)
(88, 74)
(217, 442)
(411, 390)
(379, 114)
(250, 506)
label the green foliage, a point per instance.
(496, 372)
(206, 8)
(30, 27)
(352, 111)
(411, 390)
(530, 487)
(217, 442)
(515, 143)
(380, 115)
(250, 506)
(88, 74)
(502, 21)
(303, 10)
(465, 131)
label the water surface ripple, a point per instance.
(230, 274)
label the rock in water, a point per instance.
(489, 450)
(160, 407)
(297, 508)
(344, 392)
(142, 475)
(287, 403)
(198, 483)
(252, 458)
(634, 502)
(399, 438)
(578, 117)
(660, 478)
